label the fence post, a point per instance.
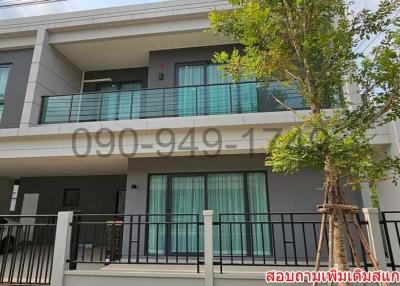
(208, 248)
(61, 247)
(375, 236)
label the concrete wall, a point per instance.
(51, 74)
(168, 59)
(124, 279)
(291, 193)
(20, 62)
(389, 193)
(100, 278)
(98, 193)
(284, 191)
(117, 75)
(6, 189)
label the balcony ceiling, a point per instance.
(132, 52)
(63, 166)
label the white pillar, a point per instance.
(31, 110)
(208, 248)
(375, 236)
(366, 195)
(61, 247)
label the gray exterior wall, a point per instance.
(291, 193)
(51, 73)
(6, 189)
(20, 61)
(169, 58)
(98, 193)
(57, 75)
(117, 75)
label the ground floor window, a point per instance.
(232, 196)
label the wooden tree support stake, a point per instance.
(328, 210)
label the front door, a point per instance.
(29, 209)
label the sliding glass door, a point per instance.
(190, 98)
(120, 100)
(232, 196)
(157, 199)
(187, 199)
(226, 197)
(205, 90)
(257, 196)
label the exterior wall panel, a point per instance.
(169, 58)
(97, 193)
(6, 190)
(291, 193)
(20, 62)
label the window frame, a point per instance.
(203, 63)
(9, 66)
(117, 201)
(65, 193)
(118, 84)
(168, 201)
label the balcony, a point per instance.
(182, 101)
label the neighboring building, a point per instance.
(145, 68)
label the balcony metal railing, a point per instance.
(225, 98)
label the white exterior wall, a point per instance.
(51, 74)
(105, 278)
(389, 194)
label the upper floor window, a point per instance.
(218, 96)
(4, 72)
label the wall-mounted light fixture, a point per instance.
(108, 79)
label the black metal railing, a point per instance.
(26, 249)
(250, 239)
(224, 98)
(390, 224)
(136, 239)
(274, 239)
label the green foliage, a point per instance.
(312, 44)
(320, 139)
(286, 40)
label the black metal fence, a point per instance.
(223, 98)
(26, 249)
(390, 223)
(136, 239)
(251, 239)
(275, 239)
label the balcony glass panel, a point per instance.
(210, 99)
(56, 109)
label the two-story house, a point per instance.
(122, 111)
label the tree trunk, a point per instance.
(339, 244)
(315, 108)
